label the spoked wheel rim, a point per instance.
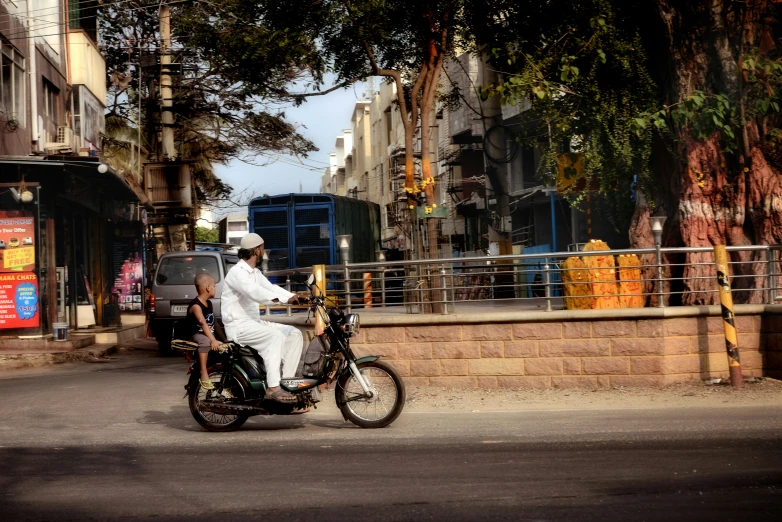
(385, 394)
(216, 395)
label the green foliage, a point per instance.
(226, 102)
(207, 235)
(583, 71)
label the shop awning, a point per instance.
(110, 183)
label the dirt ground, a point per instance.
(761, 392)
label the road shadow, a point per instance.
(179, 418)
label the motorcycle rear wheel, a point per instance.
(382, 409)
(214, 421)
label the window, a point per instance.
(51, 96)
(83, 15)
(235, 240)
(12, 83)
(237, 226)
(230, 261)
(183, 270)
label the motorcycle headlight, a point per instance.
(352, 324)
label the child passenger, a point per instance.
(201, 321)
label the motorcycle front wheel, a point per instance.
(209, 420)
(386, 403)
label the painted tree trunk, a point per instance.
(711, 196)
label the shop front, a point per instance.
(65, 248)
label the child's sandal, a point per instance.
(207, 385)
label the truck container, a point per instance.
(300, 230)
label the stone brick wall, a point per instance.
(574, 354)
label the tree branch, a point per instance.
(321, 93)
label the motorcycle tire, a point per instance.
(214, 421)
(388, 387)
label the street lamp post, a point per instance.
(344, 248)
(657, 223)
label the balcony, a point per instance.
(88, 67)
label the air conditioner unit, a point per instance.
(64, 143)
(65, 135)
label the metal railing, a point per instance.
(667, 277)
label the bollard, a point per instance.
(367, 289)
(319, 271)
(726, 300)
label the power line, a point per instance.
(51, 25)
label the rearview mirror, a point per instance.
(311, 279)
(298, 277)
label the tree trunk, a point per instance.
(711, 197)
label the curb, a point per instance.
(92, 353)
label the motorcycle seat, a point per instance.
(247, 351)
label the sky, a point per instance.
(320, 119)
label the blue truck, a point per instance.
(300, 230)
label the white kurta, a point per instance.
(243, 290)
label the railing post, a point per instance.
(347, 288)
(444, 292)
(548, 287)
(771, 270)
(383, 288)
(288, 288)
(660, 297)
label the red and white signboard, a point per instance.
(17, 241)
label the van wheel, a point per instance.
(164, 344)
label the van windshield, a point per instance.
(183, 270)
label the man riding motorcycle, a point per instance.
(244, 289)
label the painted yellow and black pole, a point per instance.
(726, 300)
(319, 271)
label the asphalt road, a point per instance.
(114, 441)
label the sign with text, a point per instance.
(17, 241)
(19, 300)
(128, 267)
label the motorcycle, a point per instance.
(369, 392)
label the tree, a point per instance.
(207, 235)
(220, 114)
(406, 41)
(679, 99)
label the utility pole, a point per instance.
(166, 92)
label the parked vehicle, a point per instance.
(369, 393)
(173, 288)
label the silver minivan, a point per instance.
(173, 288)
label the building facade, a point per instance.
(488, 185)
(71, 225)
(368, 164)
(233, 228)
